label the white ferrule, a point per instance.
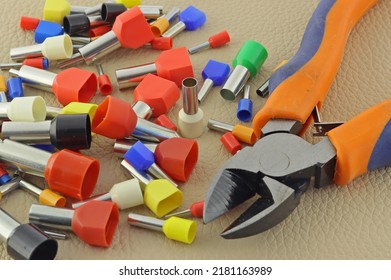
(127, 194)
(58, 47)
(27, 109)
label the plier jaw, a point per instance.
(279, 169)
(266, 212)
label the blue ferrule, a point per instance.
(46, 29)
(4, 179)
(245, 110)
(192, 18)
(45, 63)
(216, 71)
(15, 87)
(140, 157)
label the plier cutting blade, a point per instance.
(281, 165)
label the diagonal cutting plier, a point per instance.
(281, 166)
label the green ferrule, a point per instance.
(251, 55)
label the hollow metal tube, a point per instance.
(151, 12)
(189, 94)
(55, 235)
(142, 110)
(27, 159)
(151, 129)
(143, 178)
(145, 222)
(121, 146)
(52, 217)
(78, 9)
(80, 40)
(246, 93)
(129, 77)
(3, 98)
(7, 66)
(20, 53)
(172, 14)
(10, 186)
(35, 77)
(200, 47)
(158, 173)
(3, 110)
(235, 83)
(30, 187)
(174, 30)
(219, 126)
(52, 112)
(100, 47)
(29, 132)
(263, 90)
(183, 213)
(7, 225)
(205, 89)
(93, 10)
(101, 197)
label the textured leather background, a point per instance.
(352, 222)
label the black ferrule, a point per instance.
(77, 24)
(29, 243)
(71, 132)
(110, 11)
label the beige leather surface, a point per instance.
(352, 222)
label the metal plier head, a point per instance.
(278, 168)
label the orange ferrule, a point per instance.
(244, 134)
(51, 198)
